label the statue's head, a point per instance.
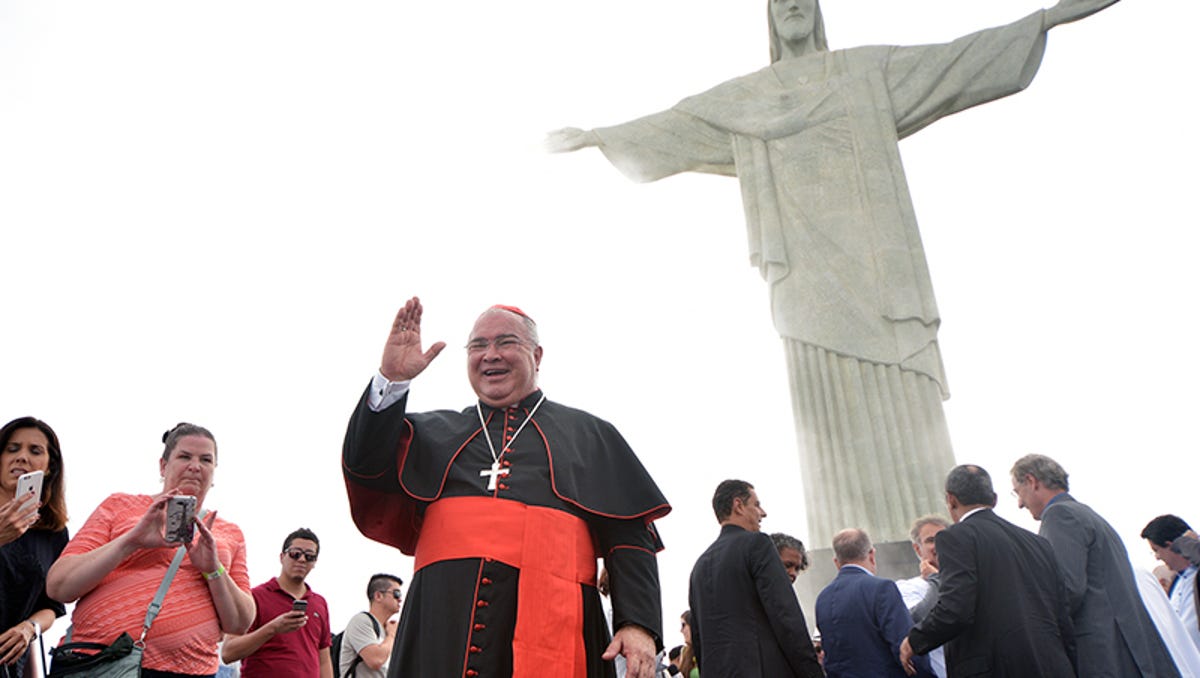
(797, 28)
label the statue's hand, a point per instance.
(1067, 11)
(570, 139)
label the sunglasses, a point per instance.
(297, 554)
(396, 594)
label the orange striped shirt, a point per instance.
(184, 636)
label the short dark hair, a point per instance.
(381, 582)
(971, 485)
(727, 492)
(1163, 529)
(786, 541)
(302, 533)
(171, 438)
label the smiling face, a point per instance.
(748, 513)
(27, 449)
(190, 466)
(502, 360)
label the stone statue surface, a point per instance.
(813, 139)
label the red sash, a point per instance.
(555, 554)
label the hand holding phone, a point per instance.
(300, 606)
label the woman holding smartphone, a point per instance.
(33, 532)
(116, 562)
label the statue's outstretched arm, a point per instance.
(1067, 11)
(570, 139)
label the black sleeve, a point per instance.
(955, 607)
(57, 542)
(783, 611)
(372, 438)
(628, 548)
(923, 606)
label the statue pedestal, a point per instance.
(893, 560)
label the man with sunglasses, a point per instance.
(506, 505)
(285, 640)
(367, 641)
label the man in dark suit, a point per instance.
(862, 617)
(746, 621)
(1114, 634)
(1001, 608)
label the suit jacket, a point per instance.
(1189, 547)
(1002, 607)
(1114, 635)
(862, 620)
(747, 622)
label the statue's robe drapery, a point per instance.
(814, 143)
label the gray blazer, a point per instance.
(1114, 634)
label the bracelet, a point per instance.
(217, 574)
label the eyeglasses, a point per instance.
(504, 342)
(297, 554)
(396, 594)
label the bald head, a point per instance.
(852, 546)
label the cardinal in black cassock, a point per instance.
(506, 506)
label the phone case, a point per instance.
(180, 511)
(30, 481)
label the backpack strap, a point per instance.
(358, 657)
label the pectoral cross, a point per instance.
(493, 473)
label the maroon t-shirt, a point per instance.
(288, 654)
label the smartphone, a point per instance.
(30, 483)
(180, 511)
(299, 606)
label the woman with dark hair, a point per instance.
(687, 658)
(116, 562)
(32, 535)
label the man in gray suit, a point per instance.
(1114, 634)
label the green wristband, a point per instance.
(209, 576)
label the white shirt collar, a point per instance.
(972, 512)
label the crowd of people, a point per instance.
(503, 508)
(991, 599)
(208, 618)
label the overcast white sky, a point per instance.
(210, 212)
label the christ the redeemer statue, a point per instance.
(813, 139)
